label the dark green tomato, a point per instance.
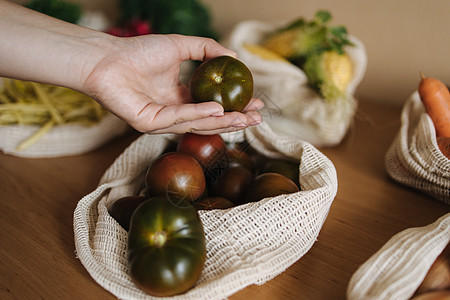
(123, 208)
(232, 184)
(269, 185)
(175, 175)
(209, 203)
(166, 247)
(225, 80)
(283, 167)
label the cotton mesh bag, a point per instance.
(397, 269)
(294, 108)
(247, 244)
(61, 139)
(414, 158)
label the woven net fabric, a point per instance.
(61, 140)
(292, 107)
(414, 158)
(397, 269)
(247, 244)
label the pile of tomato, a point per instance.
(198, 172)
(166, 240)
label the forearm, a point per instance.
(36, 47)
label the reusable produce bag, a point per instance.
(399, 267)
(247, 244)
(292, 106)
(62, 140)
(414, 158)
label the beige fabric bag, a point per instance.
(292, 107)
(62, 140)
(247, 244)
(414, 158)
(399, 267)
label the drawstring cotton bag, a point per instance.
(399, 267)
(247, 244)
(414, 158)
(292, 106)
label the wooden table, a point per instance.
(38, 198)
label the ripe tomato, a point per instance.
(166, 247)
(212, 202)
(225, 80)
(283, 167)
(269, 185)
(232, 184)
(207, 149)
(123, 208)
(236, 156)
(177, 176)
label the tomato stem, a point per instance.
(159, 238)
(218, 78)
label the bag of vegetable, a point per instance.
(414, 158)
(246, 244)
(402, 268)
(39, 120)
(306, 72)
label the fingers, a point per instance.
(231, 121)
(154, 117)
(254, 104)
(199, 48)
(201, 118)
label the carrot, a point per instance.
(444, 145)
(436, 99)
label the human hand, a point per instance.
(138, 80)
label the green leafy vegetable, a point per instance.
(301, 38)
(319, 50)
(189, 17)
(66, 11)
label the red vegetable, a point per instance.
(177, 176)
(207, 149)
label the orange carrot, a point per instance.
(436, 99)
(444, 145)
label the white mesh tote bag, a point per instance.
(247, 244)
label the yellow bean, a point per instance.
(48, 103)
(35, 136)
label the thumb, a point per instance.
(199, 48)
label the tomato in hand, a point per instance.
(225, 80)
(166, 247)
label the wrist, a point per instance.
(36, 47)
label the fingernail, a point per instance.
(256, 122)
(218, 114)
(259, 106)
(240, 125)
